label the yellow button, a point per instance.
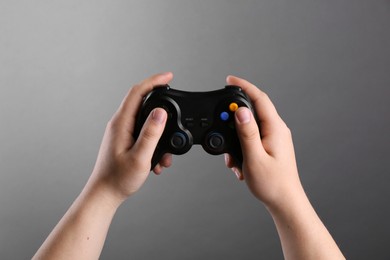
(233, 107)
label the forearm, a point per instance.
(81, 233)
(302, 234)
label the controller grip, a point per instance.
(157, 155)
(237, 156)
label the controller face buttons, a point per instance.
(233, 106)
(210, 125)
(224, 116)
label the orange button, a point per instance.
(233, 107)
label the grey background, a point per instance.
(66, 65)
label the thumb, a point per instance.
(249, 135)
(150, 134)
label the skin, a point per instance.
(122, 166)
(270, 171)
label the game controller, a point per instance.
(205, 118)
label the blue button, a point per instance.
(224, 116)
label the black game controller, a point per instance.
(205, 118)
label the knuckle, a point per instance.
(259, 97)
(263, 95)
(110, 124)
(113, 123)
(285, 129)
(250, 134)
(134, 88)
(147, 135)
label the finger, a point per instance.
(249, 135)
(229, 160)
(230, 164)
(238, 173)
(158, 169)
(265, 109)
(127, 111)
(166, 160)
(131, 102)
(150, 134)
(124, 119)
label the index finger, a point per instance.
(127, 111)
(265, 109)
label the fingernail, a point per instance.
(158, 115)
(243, 115)
(166, 73)
(226, 158)
(236, 172)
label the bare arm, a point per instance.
(122, 166)
(81, 232)
(271, 174)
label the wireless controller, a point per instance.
(205, 118)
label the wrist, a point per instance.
(293, 203)
(104, 192)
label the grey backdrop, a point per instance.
(66, 65)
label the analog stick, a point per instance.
(215, 142)
(178, 140)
